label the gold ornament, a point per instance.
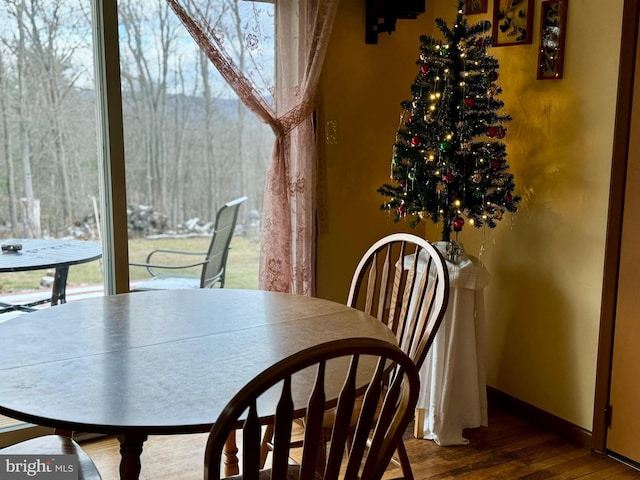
(476, 177)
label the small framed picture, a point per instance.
(512, 22)
(553, 26)
(475, 6)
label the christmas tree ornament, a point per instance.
(445, 146)
(449, 163)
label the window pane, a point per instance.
(190, 144)
(49, 173)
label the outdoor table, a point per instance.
(41, 254)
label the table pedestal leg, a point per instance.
(130, 451)
(59, 289)
(231, 455)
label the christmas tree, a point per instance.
(449, 163)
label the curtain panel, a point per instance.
(302, 33)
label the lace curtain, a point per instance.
(302, 31)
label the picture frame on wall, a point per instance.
(553, 27)
(475, 6)
(512, 22)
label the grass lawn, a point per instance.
(242, 265)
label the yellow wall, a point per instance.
(543, 303)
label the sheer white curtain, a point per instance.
(303, 29)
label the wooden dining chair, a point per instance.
(213, 263)
(305, 382)
(56, 445)
(403, 281)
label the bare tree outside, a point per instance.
(190, 144)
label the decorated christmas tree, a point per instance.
(449, 163)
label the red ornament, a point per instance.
(501, 133)
(458, 223)
(412, 119)
(469, 102)
(494, 76)
(495, 164)
(492, 131)
(424, 69)
(402, 210)
(448, 178)
(416, 141)
(508, 197)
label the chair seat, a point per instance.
(292, 474)
(170, 282)
(56, 445)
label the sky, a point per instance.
(74, 39)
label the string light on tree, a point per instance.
(453, 121)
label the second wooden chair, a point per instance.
(403, 281)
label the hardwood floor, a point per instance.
(509, 448)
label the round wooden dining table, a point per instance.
(157, 362)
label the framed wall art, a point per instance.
(553, 26)
(512, 22)
(475, 6)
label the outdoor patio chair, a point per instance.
(302, 383)
(213, 263)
